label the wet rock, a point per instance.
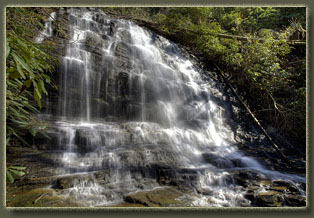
(112, 28)
(264, 182)
(278, 188)
(293, 189)
(245, 178)
(85, 140)
(253, 188)
(287, 185)
(281, 183)
(295, 200)
(111, 119)
(217, 161)
(268, 199)
(101, 175)
(71, 181)
(250, 196)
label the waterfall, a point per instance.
(47, 31)
(134, 112)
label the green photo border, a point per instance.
(154, 212)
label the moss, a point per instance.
(39, 197)
(165, 197)
(26, 198)
(279, 188)
(265, 182)
(156, 198)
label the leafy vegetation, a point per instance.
(253, 45)
(16, 170)
(28, 68)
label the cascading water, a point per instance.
(134, 113)
(47, 32)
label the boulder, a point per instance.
(71, 181)
(268, 199)
(160, 197)
(295, 200)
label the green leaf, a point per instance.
(47, 78)
(11, 69)
(15, 75)
(26, 85)
(21, 43)
(41, 82)
(31, 108)
(19, 173)
(21, 123)
(37, 97)
(9, 176)
(8, 49)
(19, 137)
(17, 114)
(19, 69)
(44, 134)
(17, 167)
(24, 65)
(21, 109)
(18, 105)
(32, 130)
(37, 89)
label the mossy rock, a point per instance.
(253, 188)
(161, 197)
(268, 199)
(27, 198)
(295, 201)
(265, 182)
(39, 197)
(70, 181)
(279, 188)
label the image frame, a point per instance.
(293, 211)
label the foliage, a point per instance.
(14, 170)
(28, 69)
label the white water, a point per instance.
(47, 31)
(129, 100)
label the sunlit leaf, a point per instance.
(9, 176)
(17, 167)
(14, 75)
(19, 69)
(16, 172)
(47, 78)
(26, 85)
(44, 134)
(8, 49)
(32, 131)
(22, 63)
(42, 85)
(37, 97)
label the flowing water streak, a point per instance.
(131, 104)
(47, 31)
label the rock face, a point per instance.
(136, 122)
